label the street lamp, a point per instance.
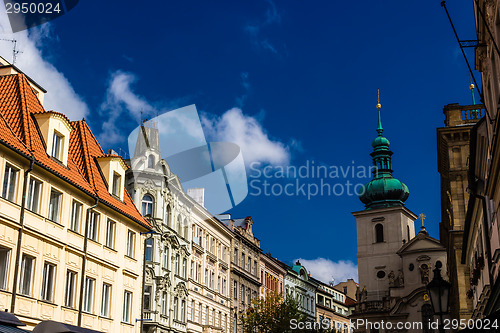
(439, 291)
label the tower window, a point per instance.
(151, 161)
(408, 232)
(147, 205)
(379, 233)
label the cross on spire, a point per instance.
(422, 217)
(380, 130)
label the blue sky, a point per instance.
(289, 81)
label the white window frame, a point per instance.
(127, 306)
(9, 182)
(34, 195)
(55, 206)
(117, 184)
(48, 281)
(69, 292)
(4, 266)
(26, 278)
(93, 226)
(76, 216)
(57, 145)
(106, 299)
(130, 243)
(88, 298)
(110, 234)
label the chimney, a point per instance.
(198, 194)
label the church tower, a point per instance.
(385, 224)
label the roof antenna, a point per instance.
(15, 51)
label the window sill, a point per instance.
(128, 324)
(105, 318)
(94, 241)
(88, 313)
(110, 249)
(131, 258)
(68, 308)
(75, 232)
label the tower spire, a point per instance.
(380, 130)
(471, 87)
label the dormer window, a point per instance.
(116, 187)
(151, 161)
(57, 143)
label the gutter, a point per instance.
(20, 235)
(82, 279)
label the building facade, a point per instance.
(481, 250)
(245, 267)
(332, 310)
(349, 288)
(300, 286)
(394, 264)
(71, 237)
(453, 154)
(187, 256)
(271, 275)
(155, 190)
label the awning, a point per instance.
(9, 323)
(50, 326)
(11, 329)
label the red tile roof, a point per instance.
(19, 130)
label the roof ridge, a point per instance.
(24, 112)
(86, 154)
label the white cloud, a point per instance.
(60, 94)
(248, 133)
(325, 270)
(120, 102)
(272, 16)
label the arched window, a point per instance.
(379, 233)
(151, 161)
(168, 216)
(178, 226)
(147, 205)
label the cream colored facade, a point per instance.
(61, 248)
(209, 306)
(331, 308)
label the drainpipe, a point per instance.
(82, 280)
(20, 235)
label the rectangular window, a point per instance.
(235, 290)
(27, 266)
(106, 297)
(149, 249)
(184, 264)
(177, 258)
(55, 205)
(130, 244)
(93, 227)
(9, 182)
(49, 272)
(199, 314)
(192, 310)
(242, 294)
(4, 266)
(69, 294)
(116, 184)
(57, 142)
(183, 311)
(34, 195)
(110, 234)
(147, 298)
(243, 260)
(127, 301)
(176, 308)
(165, 257)
(236, 256)
(207, 315)
(88, 295)
(198, 273)
(76, 213)
(164, 304)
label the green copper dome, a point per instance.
(383, 190)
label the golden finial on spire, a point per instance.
(378, 99)
(422, 217)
